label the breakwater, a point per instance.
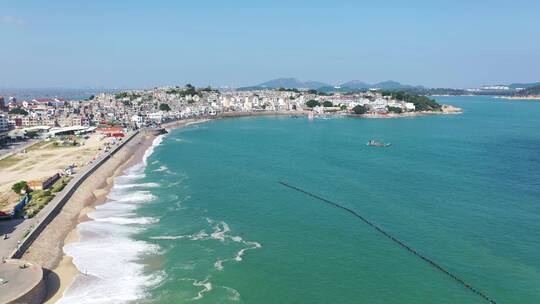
(395, 240)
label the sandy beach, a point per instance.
(47, 249)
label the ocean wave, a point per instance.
(157, 141)
(161, 168)
(128, 221)
(208, 286)
(131, 196)
(108, 259)
(219, 233)
(107, 255)
(141, 185)
(164, 169)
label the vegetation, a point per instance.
(18, 187)
(187, 90)
(66, 143)
(40, 198)
(394, 109)
(421, 103)
(60, 184)
(9, 161)
(134, 96)
(18, 111)
(289, 90)
(164, 107)
(359, 109)
(328, 104)
(121, 95)
(312, 103)
(535, 90)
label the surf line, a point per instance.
(395, 240)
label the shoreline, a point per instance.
(47, 249)
(169, 126)
(59, 267)
(530, 97)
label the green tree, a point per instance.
(328, 104)
(312, 103)
(18, 111)
(394, 109)
(359, 109)
(121, 95)
(164, 107)
(18, 187)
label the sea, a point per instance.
(205, 219)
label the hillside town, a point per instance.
(137, 108)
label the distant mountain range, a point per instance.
(523, 85)
(293, 83)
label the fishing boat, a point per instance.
(373, 143)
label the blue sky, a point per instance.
(146, 43)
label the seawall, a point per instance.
(55, 206)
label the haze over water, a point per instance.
(460, 189)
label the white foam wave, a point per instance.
(141, 185)
(128, 221)
(157, 141)
(202, 235)
(220, 233)
(161, 169)
(165, 169)
(107, 255)
(207, 288)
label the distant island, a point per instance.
(511, 91)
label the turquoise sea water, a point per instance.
(464, 190)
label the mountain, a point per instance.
(524, 85)
(393, 85)
(353, 85)
(292, 83)
(356, 85)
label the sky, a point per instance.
(138, 44)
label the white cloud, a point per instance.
(11, 20)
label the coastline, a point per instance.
(47, 249)
(181, 123)
(530, 97)
(61, 271)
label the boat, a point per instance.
(373, 143)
